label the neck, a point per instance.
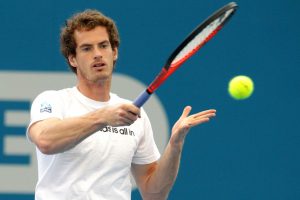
(97, 91)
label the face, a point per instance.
(95, 57)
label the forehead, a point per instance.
(96, 35)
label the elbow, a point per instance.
(159, 194)
(156, 196)
(49, 146)
(44, 146)
(42, 138)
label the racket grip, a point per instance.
(141, 99)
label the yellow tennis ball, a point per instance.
(240, 87)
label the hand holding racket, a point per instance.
(194, 41)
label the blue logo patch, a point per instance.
(46, 107)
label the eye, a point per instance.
(86, 48)
(104, 45)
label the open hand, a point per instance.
(186, 121)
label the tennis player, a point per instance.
(88, 139)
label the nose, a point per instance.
(97, 54)
(96, 57)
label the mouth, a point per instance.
(99, 65)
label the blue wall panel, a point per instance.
(250, 151)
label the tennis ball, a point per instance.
(240, 87)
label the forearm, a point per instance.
(55, 135)
(156, 179)
(160, 182)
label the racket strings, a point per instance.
(201, 38)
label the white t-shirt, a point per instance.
(98, 167)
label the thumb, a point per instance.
(186, 111)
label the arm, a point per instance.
(155, 180)
(55, 135)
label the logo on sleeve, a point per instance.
(46, 107)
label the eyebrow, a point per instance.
(88, 45)
(84, 45)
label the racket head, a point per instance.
(201, 35)
(193, 42)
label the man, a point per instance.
(89, 139)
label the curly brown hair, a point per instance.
(86, 20)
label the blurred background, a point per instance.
(249, 151)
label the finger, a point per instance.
(199, 118)
(128, 117)
(203, 113)
(198, 121)
(131, 116)
(134, 110)
(127, 122)
(186, 111)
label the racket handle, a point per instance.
(141, 99)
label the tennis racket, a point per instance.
(193, 42)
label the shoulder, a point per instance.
(51, 98)
(50, 94)
(115, 99)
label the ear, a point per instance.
(115, 52)
(72, 61)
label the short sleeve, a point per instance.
(46, 105)
(147, 151)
